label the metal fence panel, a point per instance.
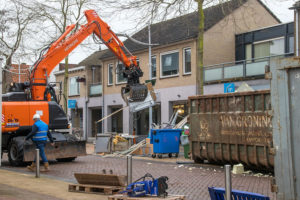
(255, 69)
(213, 74)
(235, 71)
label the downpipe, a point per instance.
(87, 100)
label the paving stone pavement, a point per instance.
(9, 193)
(191, 180)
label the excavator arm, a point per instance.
(68, 41)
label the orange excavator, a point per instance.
(38, 96)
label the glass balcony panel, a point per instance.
(255, 69)
(213, 74)
(235, 71)
(96, 89)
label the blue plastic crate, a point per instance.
(219, 194)
(165, 140)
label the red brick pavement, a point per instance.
(190, 180)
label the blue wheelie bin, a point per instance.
(165, 141)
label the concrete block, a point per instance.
(238, 169)
(121, 146)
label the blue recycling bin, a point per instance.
(165, 141)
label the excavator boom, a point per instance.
(69, 40)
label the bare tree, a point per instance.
(56, 16)
(15, 29)
(199, 70)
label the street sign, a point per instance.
(72, 103)
(229, 87)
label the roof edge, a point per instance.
(273, 15)
(266, 27)
(80, 68)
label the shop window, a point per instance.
(77, 121)
(182, 109)
(96, 127)
(117, 120)
(77, 118)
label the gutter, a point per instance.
(70, 70)
(103, 101)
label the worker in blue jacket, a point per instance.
(38, 135)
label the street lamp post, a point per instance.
(150, 73)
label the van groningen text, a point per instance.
(249, 121)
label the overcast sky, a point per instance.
(279, 7)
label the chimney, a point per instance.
(296, 8)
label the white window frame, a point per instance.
(183, 60)
(108, 81)
(151, 67)
(117, 74)
(165, 53)
(70, 85)
(268, 40)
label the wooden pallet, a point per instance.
(124, 197)
(101, 179)
(95, 189)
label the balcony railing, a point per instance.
(238, 70)
(95, 89)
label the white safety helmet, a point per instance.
(36, 116)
